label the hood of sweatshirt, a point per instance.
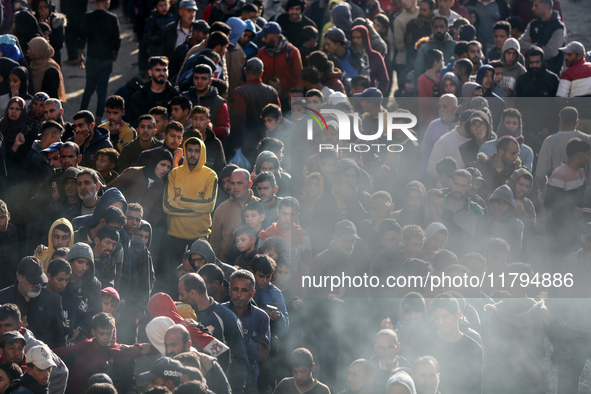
(156, 330)
(482, 71)
(433, 229)
(484, 118)
(250, 26)
(157, 156)
(401, 378)
(113, 293)
(535, 51)
(202, 156)
(238, 26)
(365, 35)
(108, 198)
(341, 16)
(519, 173)
(144, 223)
(267, 156)
(502, 130)
(203, 248)
(455, 80)
(510, 43)
(46, 255)
(504, 193)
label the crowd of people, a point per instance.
(215, 232)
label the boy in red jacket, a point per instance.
(97, 355)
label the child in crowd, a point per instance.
(246, 239)
(106, 161)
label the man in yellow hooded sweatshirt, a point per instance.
(61, 234)
(188, 201)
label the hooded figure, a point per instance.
(156, 329)
(110, 291)
(511, 70)
(10, 49)
(6, 65)
(450, 76)
(495, 103)
(283, 179)
(88, 287)
(10, 128)
(235, 57)
(468, 90)
(528, 216)
(433, 245)
(308, 200)
(340, 16)
(537, 81)
(145, 185)
(368, 61)
(500, 221)
(108, 198)
(414, 209)
(203, 248)
(45, 257)
(469, 150)
(22, 75)
(401, 378)
(161, 304)
(190, 197)
(526, 154)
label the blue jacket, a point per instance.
(257, 332)
(272, 294)
(225, 326)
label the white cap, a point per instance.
(40, 356)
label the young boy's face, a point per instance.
(271, 123)
(199, 122)
(4, 220)
(144, 236)
(271, 253)
(162, 7)
(413, 246)
(114, 115)
(282, 275)
(103, 336)
(58, 283)
(253, 218)
(244, 243)
(287, 217)
(79, 266)
(110, 303)
(103, 164)
(177, 113)
(261, 279)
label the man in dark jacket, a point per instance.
(144, 141)
(88, 137)
(157, 92)
(42, 307)
(249, 101)
(177, 32)
(537, 81)
(363, 53)
(101, 30)
(546, 31)
(202, 93)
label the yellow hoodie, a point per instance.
(46, 256)
(190, 198)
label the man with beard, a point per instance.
(386, 359)
(448, 106)
(280, 58)
(88, 186)
(89, 138)
(157, 92)
(53, 110)
(498, 168)
(440, 39)
(537, 81)
(107, 268)
(417, 28)
(266, 188)
(42, 306)
(255, 322)
(367, 60)
(460, 214)
(202, 93)
(293, 22)
(475, 56)
(546, 31)
(426, 375)
(574, 82)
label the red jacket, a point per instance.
(289, 73)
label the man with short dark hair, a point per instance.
(226, 326)
(336, 44)
(440, 39)
(249, 101)
(120, 131)
(537, 81)
(255, 322)
(302, 366)
(202, 93)
(145, 140)
(89, 138)
(156, 92)
(497, 168)
(176, 32)
(501, 31)
(293, 21)
(546, 31)
(43, 307)
(266, 189)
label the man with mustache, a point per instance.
(440, 39)
(42, 306)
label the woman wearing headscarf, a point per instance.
(47, 74)
(15, 132)
(9, 48)
(145, 185)
(18, 81)
(6, 66)
(45, 12)
(35, 116)
(26, 28)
